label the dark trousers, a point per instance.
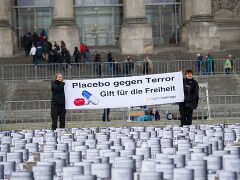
(58, 110)
(38, 61)
(81, 56)
(34, 59)
(99, 69)
(27, 51)
(186, 114)
(106, 114)
(199, 67)
(227, 70)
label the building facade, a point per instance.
(99, 21)
(136, 26)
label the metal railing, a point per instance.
(105, 69)
(36, 114)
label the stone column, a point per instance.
(186, 10)
(63, 26)
(136, 33)
(202, 11)
(186, 13)
(201, 33)
(6, 33)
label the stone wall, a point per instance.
(226, 13)
(25, 90)
(6, 42)
(225, 16)
(6, 33)
(221, 84)
(202, 37)
(226, 10)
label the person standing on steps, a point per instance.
(76, 56)
(82, 51)
(58, 101)
(33, 53)
(191, 96)
(199, 64)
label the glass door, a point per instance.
(98, 26)
(166, 21)
(43, 19)
(26, 22)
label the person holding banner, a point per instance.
(191, 96)
(58, 101)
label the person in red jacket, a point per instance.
(82, 49)
(42, 35)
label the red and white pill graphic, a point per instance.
(86, 101)
(87, 95)
(79, 101)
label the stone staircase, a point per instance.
(161, 52)
(39, 89)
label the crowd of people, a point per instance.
(42, 49)
(124, 67)
(208, 67)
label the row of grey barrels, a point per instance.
(199, 152)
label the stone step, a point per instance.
(161, 52)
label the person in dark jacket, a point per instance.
(86, 55)
(116, 67)
(38, 53)
(191, 96)
(27, 43)
(58, 101)
(110, 61)
(63, 45)
(199, 64)
(76, 55)
(56, 46)
(56, 55)
(67, 59)
(145, 66)
(35, 38)
(45, 49)
(51, 58)
(129, 66)
(98, 66)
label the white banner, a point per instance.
(124, 91)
